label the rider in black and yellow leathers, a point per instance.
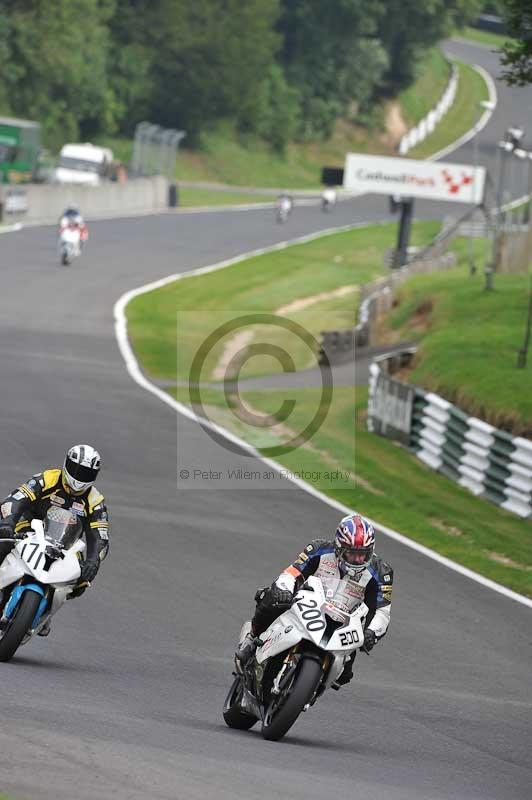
(70, 488)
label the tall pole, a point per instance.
(526, 211)
(471, 256)
(405, 224)
(498, 219)
(523, 351)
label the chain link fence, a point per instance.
(155, 151)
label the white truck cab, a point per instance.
(83, 163)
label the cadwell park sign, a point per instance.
(431, 180)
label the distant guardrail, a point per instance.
(428, 124)
(488, 462)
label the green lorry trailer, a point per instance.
(20, 143)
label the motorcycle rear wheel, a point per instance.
(279, 719)
(233, 715)
(19, 625)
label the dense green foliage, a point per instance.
(517, 54)
(54, 66)
(281, 69)
(495, 7)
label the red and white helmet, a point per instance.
(354, 544)
(81, 468)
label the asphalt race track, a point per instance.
(124, 698)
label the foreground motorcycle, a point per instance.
(302, 654)
(69, 244)
(37, 577)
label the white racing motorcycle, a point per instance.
(303, 652)
(69, 244)
(37, 577)
(284, 209)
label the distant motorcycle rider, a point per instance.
(72, 488)
(72, 218)
(328, 199)
(284, 206)
(349, 558)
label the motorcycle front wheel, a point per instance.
(233, 715)
(19, 625)
(286, 708)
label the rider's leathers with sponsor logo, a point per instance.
(373, 585)
(32, 500)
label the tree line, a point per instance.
(280, 69)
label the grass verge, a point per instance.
(493, 40)
(416, 101)
(191, 197)
(469, 340)
(387, 482)
(461, 116)
(190, 309)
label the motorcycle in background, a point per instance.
(38, 576)
(301, 654)
(328, 199)
(284, 208)
(69, 244)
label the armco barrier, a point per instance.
(488, 462)
(46, 202)
(430, 122)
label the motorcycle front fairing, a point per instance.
(30, 559)
(70, 241)
(307, 620)
(43, 564)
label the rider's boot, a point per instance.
(346, 675)
(247, 644)
(46, 628)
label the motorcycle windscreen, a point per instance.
(342, 597)
(62, 527)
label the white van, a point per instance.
(83, 163)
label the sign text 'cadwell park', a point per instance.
(433, 180)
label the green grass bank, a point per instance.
(487, 38)
(461, 116)
(468, 342)
(385, 480)
(167, 325)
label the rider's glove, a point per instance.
(370, 640)
(280, 597)
(89, 570)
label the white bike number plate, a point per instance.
(311, 615)
(349, 638)
(33, 554)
